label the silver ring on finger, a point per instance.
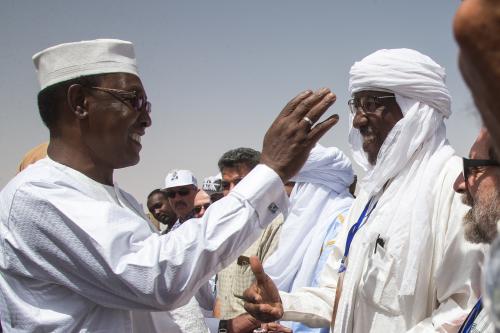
(308, 121)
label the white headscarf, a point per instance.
(414, 151)
(320, 194)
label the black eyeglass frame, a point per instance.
(198, 208)
(474, 163)
(128, 98)
(375, 99)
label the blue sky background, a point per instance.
(218, 72)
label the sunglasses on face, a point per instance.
(471, 164)
(138, 102)
(197, 209)
(182, 192)
(367, 104)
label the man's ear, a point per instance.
(76, 101)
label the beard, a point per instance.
(480, 222)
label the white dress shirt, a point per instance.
(79, 256)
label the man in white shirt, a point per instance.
(76, 254)
(402, 264)
(479, 185)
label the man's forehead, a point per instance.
(238, 170)
(374, 92)
(176, 188)
(480, 148)
(124, 81)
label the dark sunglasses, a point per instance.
(182, 192)
(469, 164)
(138, 102)
(197, 209)
(367, 104)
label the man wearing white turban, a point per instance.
(402, 264)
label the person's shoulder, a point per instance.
(41, 173)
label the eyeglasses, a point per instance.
(138, 102)
(182, 192)
(197, 209)
(367, 104)
(470, 164)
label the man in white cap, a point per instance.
(76, 251)
(402, 264)
(181, 187)
(213, 186)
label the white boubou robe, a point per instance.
(79, 256)
(447, 285)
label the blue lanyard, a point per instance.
(352, 232)
(467, 325)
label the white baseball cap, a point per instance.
(180, 178)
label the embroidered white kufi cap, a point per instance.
(71, 60)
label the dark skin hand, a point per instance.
(262, 299)
(290, 138)
(246, 323)
(477, 30)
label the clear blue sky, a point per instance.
(218, 72)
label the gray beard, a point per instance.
(480, 222)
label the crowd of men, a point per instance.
(277, 241)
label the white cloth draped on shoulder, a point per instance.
(416, 148)
(320, 194)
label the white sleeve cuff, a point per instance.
(265, 191)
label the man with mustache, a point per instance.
(181, 187)
(402, 264)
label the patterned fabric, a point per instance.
(189, 318)
(237, 277)
(482, 323)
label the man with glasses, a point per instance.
(401, 264)
(201, 203)
(181, 187)
(76, 251)
(479, 185)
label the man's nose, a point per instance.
(359, 120)
(460, 186)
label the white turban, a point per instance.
(405, 72)
(319, 196)
(414, 151)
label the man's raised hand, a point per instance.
(293, 134)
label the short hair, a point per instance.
(247, 156)
(157, 191)
(51, 98)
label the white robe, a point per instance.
(447, 286)
(78, 256)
